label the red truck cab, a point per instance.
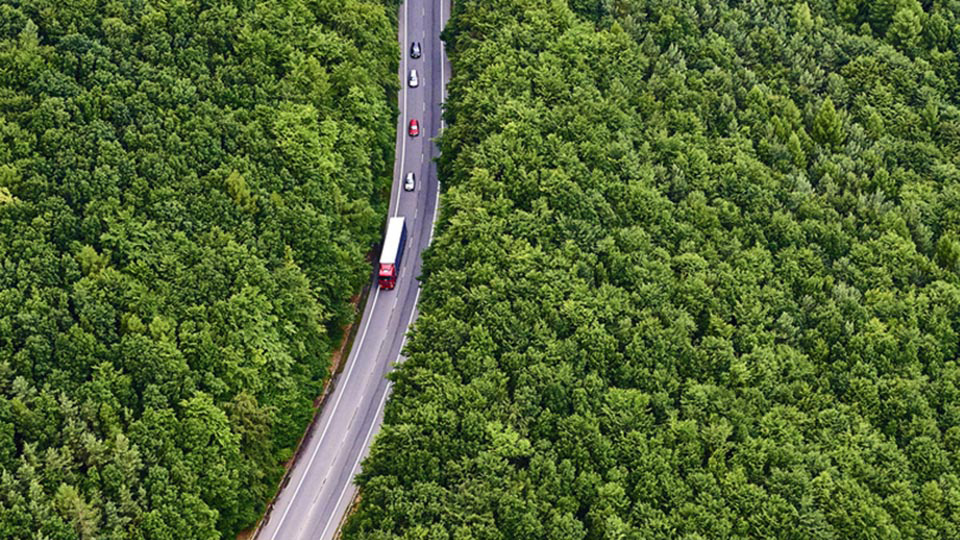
(392, 253)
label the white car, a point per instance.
(410, 182)
(414, 79)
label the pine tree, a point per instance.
(828, 125)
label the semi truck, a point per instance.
(392, 252)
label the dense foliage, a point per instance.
(696, 277)
(187, 192)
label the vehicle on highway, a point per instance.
(415, 49)
(392, 252)
(410, 182)
(414, 80)
(414, 127)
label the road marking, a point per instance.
(355, 463)
(403, 122)
(403, 342)
(352, 420)
(409, 322)
(436, 210)
(333, 411)
(443, 84)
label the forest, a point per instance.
(696, 276)
(188, 191)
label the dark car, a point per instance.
(415, 49)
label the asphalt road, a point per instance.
(320, 486)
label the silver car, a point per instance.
(414, 80)
(410, 182)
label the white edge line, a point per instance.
(443, 84)
(443, 89)
(403, 113)
(333, 411)
(409, 322)
(436, 211)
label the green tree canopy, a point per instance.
(187, 193)
(695, 277)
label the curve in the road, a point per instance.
(319, 487)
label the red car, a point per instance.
(414, 127)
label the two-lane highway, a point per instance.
(320, 485)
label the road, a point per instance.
(320, 485)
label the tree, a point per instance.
(187, 193)
(693, 277)
(907, 25)
(828, 125)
